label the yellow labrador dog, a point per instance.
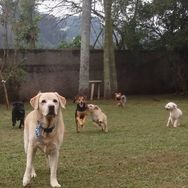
(44, 129)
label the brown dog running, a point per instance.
(121, 99)
(81, 111)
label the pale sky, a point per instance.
(47, 6)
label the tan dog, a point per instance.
(98, 116)
(81, 111)
(44, 129)
(121, 99)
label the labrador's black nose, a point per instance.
(51, 110)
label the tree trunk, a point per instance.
(32, 41)
(113, 69)
(5, 60)
(3, 82)
(84, 52)
(110, 77)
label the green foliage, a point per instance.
(152, 25)
(171, 18)
(21, 16)
(76, 43)
(27, 34)
(7, 8)
(7, 18)
(127, 22)
(26, 26)
(14, 75)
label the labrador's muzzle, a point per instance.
(51, 110)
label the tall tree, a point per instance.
(110, 77)
(26, 28)
(10, 70)
(6, 12)
(85, 43)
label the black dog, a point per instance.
(18, 113)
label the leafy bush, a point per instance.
(76, 43)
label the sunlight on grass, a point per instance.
(139, 151)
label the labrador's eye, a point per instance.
(43, 101)
(55, 101)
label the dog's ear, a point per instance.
(62, 100)
(75, 99)
(96, 107)
(35, 101)
(175, 106)
(85, 97)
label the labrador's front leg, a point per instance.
(53, 162)
(28, 170)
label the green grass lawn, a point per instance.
(139, 151)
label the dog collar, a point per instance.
(40, 128)
(81, 109)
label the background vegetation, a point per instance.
(137, 24)
(124, 24)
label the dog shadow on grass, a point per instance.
(183, 125)
(99, 132)
(91, 132)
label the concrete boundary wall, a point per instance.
(143, 72)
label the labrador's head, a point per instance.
(48, 103)
(170, 106)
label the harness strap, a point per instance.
(39, 128)
(48, 130)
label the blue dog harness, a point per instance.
(40, 128)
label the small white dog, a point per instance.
(175, 114)
(98, 116)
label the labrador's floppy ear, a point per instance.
(62, 100)
(35, 101)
